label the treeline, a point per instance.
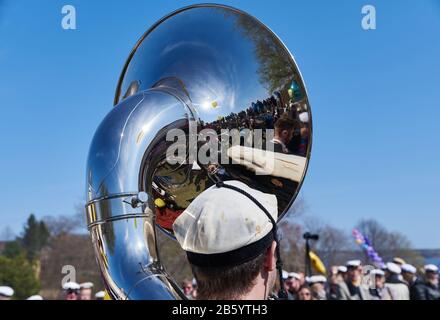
(33, 262)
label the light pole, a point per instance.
(309, 236)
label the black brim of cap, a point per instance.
(231, 258)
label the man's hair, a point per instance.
(285, 123)
(227, 283)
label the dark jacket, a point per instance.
(426, 291)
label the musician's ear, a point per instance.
(270, 260)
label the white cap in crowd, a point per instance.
(285, 275)
(35, 297)
(100, 295)
(86, 285)
(353, 263)
(431, 268)
(71, 286)
(393, 268)
(406, 267)
(221, 220)
(342, 269)
(294, 275)
(316, 279)
(378, 272)
(6, 291)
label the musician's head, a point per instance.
(229, 242)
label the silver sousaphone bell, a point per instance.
(221, 91)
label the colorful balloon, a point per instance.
(365, 244)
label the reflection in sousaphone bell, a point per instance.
(205, 71)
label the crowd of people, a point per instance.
(397, 280)
(70, 291)
(266, 115)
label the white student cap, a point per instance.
(294, 275)
(223, 227)
(378, 272)
(353, 263)
(86, 285)
(316, 279)
(393, 268)
(406, 267)
(71, 286)
(431, 268)
(342, 269)
(6, 291)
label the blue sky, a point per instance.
(375, 100)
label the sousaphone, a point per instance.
(218, 80)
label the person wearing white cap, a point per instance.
(286, 282)
(409, 275)
(396, 286)
(229, 235)
(85, 291)
(378, 291)
(336, 276)
(351, 288)
(71, 290)
(317, 285)
(6, 293)
(35, 297)
(100, 295)
(430, 289)
(292, 284)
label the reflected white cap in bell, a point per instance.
(86, 285)
(71, 286)
(431, 268)
(221, 220)
(35, 297)
(406, 267)
(378, 272)
(393, 267)
(100, 295)
(353, 263)
(316, 279)
(304, 117)
(6, 291)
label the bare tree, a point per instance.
(67, 224)
(61, 224)
(80, 217)
(387, 243)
